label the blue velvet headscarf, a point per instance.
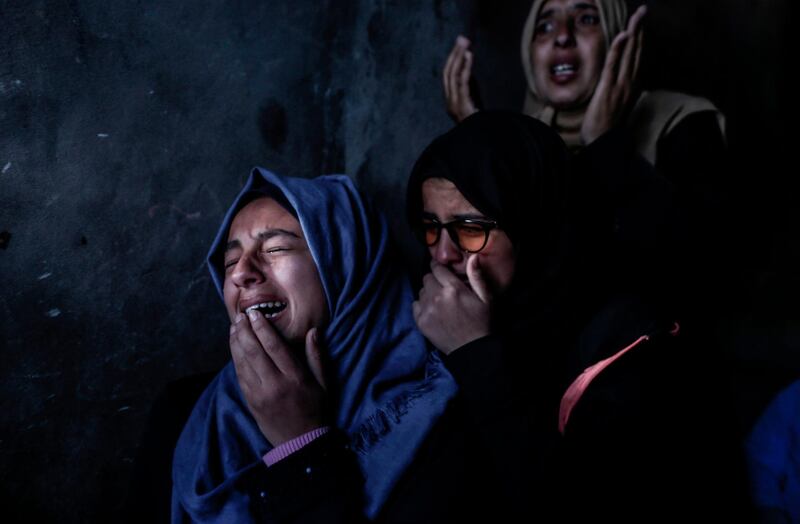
(391, 389)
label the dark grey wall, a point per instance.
(127, 127)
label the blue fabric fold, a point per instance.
(773, 455)
(390, 389)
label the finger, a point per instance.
(626, 62)
(613, 58)
(450, 66)
(444, 276)
(430, 284)
(275, 348)
(635, 21)
(463, 81)
(244, 372)
(314, 357)
(638, 54)
(477, 280)
(455, 73)
(416, 309)
(446, 71)
(629, 53)
(253, 367)
(607, 76)
(635, 29)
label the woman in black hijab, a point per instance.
(582, 392)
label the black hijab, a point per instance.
(514, 169)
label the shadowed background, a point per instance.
(126, 128)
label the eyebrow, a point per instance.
(262, 236)
(579, 6)
(466, 216)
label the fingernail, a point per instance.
(239, 318)
(253, 314)
(462, 40)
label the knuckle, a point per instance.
(250, 351)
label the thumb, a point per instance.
(477, 280)
(314, 357)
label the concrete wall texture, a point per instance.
(127, 127)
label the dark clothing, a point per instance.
(641, 445)
(649, 432)
(668, 228)
(652, 438)
(321, 483)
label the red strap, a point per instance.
(578, 387)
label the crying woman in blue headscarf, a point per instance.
(331, 391)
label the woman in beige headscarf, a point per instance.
(581, 64)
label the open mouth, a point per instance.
(268, 309)
(563, 70)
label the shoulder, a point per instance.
(656, 114)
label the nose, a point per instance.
(445, 251)
(565, 32)
(246, 272)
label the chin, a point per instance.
(566, 98)
(567, 103)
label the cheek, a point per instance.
(500, 264)
(316, 295)
(229, 296)
(303, 281)
(504, 272)
(539, 62)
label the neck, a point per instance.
(567, 122)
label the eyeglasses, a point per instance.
(469, 234)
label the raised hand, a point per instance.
(455, 79)
(613, 94)
(451, 313)
(285, 392)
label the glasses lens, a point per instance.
(471, 237)
(430, 232)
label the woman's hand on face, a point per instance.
(451, 313)
(455, 78)
(615, 88)
(285, 395)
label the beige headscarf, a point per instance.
(654, 114)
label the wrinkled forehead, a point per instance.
(441, 194)
(556, 6)
(264, 213)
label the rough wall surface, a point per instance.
(127, 127)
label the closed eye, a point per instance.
(272, 250)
